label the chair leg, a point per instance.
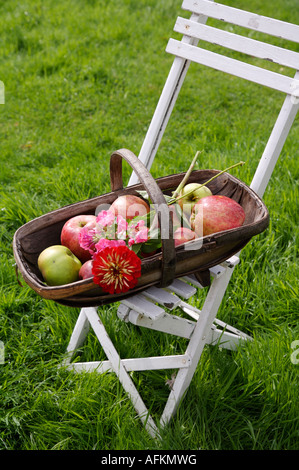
(196, 344)
(78, 336)
(91, 316)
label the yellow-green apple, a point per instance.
(183, 235)
(129, 206)
(198, 192)
(58, 265)
(70, 235)
(86, 270)
(216, 213)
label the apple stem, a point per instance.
(185, 179)
(175, 199)
(204, 184)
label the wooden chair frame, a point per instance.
(149, 308)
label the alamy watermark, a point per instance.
(2, 349)
(2, 93)
(160, 227)
(295, 353)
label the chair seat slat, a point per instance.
(144, 307)
(182, 289)
(234, 67)
(164, 298)
(238, 43)
(263, 24)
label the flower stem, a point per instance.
(185, 179)
(175, 199)
(204, 184)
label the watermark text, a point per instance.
(2, 93)
(295, 353)
(179, 222)
(2, 352)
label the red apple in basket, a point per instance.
(216, 213)
(183, 235)
(86, 270)
(129, 206)
(70, 235)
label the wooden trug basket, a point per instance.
(159, 269)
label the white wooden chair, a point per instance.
(152, 308)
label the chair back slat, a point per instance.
(243, 18)
(234, 67)
(238, 43)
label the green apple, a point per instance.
(58, 265)
(194, 192)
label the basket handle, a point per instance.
(161, 208)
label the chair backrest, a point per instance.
(187, 50)
(236, 42)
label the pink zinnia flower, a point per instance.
(116, 269)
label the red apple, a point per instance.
(129, 206)
(183, 235)
(86, 270)
(216, 213)
(70, 235)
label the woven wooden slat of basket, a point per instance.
(159, 269)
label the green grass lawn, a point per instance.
(82, 79)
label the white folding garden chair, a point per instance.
(152, 308)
